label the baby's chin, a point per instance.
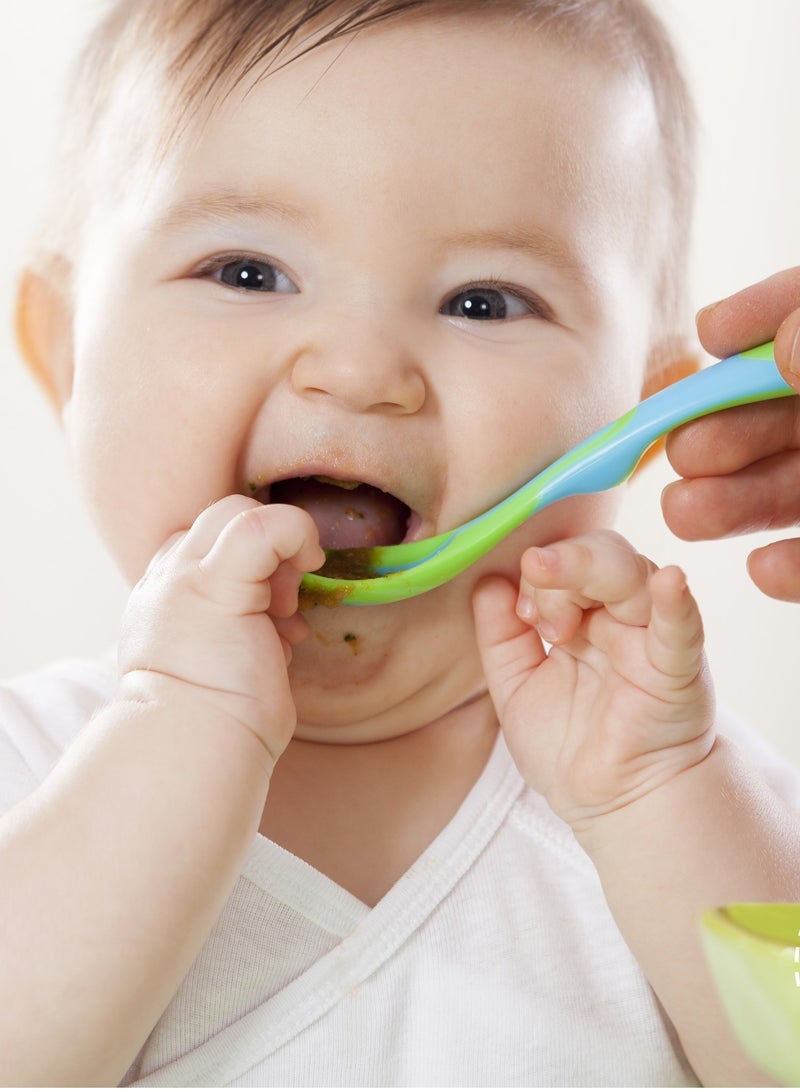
(382, 671)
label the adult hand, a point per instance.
(741, 467)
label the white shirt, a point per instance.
(494, 961)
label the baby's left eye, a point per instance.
(486, 303)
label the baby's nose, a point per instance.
(363, 367)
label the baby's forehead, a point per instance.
(186, 57)
(243, 110)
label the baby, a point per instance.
(388, 259)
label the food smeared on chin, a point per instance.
(308, 600)
(349, 515)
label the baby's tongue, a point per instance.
(347, 514)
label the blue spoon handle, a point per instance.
(611, 455)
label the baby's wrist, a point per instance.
(236, 720)
(608, 834)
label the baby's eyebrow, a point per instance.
(219, 206)
(531, 240)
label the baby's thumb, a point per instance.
(510, 649)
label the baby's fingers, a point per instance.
(675, 633)
(563, 580)
(248, 556)
(257, 539)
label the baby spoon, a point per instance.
(386, 574)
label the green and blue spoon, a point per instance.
(387, 574)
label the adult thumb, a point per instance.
(787, 349)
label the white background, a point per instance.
(59, 593)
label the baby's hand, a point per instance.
(215, 616)
(622, 702)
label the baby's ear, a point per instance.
(44, 330)
(668, 364)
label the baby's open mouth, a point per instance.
(348, 514)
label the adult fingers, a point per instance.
(753, 316)
(762, 496)
(727, 441)
(775, 569)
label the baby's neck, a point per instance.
(363, 813)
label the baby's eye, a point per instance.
(486, 303)
(253, 275)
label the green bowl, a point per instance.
(753, 950)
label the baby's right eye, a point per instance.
(252, 275)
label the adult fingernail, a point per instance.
(787, 348)
(705, 311)
(794, 352)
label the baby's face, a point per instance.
(420, 260)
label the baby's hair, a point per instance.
(186, 56)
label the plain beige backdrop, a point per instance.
(59, 593)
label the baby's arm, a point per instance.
(113, 873)
(615, 727)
